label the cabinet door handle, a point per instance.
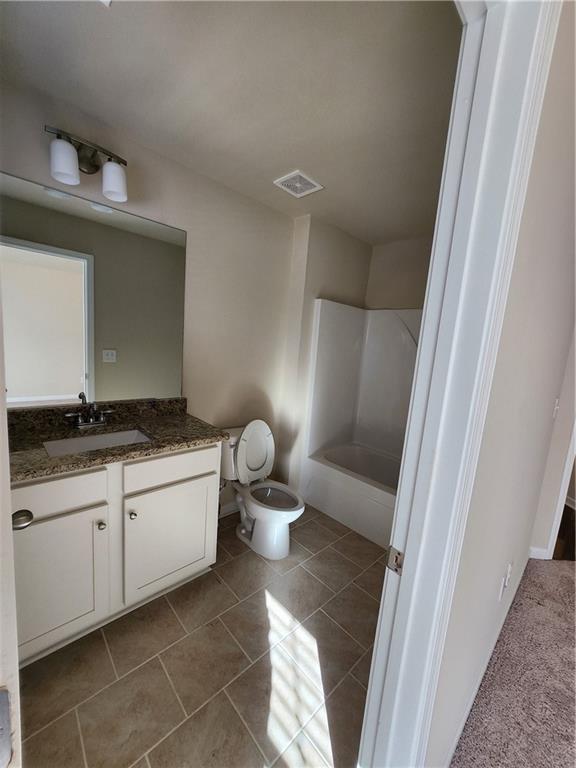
(132, 515)
(21, 519)
(101, 525)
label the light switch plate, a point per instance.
(108, 355)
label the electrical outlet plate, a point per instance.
(108, 355)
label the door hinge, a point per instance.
(395, 560)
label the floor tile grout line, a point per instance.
(82, 747)
(109, 685)
(142, 757)
(324, 583)
(234, 595)
(351, 672)
(327, 527)
(173, 687)
(236, 641)
(366, 652)
(248, 729)
(364, 647)
(178, 619)
(105, 639)
(44, 727)
(302, 732)
(366, 592)
(332, 692)
(320, 581)
(353, 561)
(195, 711)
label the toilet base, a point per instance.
(270, 541)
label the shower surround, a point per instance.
(361, 370)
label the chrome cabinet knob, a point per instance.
(21, 519)
(132, 515)
(101, 525)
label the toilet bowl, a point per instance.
(266, 507)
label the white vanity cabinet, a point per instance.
(61, 559)
(102, 541)
(170, 520)
(166, 532)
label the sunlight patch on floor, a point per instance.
(293, 696)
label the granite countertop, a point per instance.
(165, 422)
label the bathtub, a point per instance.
(366, 463)
(356, 485)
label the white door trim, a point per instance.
(504, 63)
(547, 553)
(9, 677)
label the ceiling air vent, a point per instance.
(298, 184)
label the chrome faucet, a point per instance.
(89, 415)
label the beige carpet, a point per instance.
(524, 713)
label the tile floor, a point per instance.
(256, 663)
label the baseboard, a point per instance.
(539, 553)
(570, 502)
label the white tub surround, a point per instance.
(361, 369)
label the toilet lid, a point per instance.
(254, 452)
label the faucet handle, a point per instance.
(74, 417)
(102, 413)
(82, 397)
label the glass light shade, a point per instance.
(64, 162)
(114, 182)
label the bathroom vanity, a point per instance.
(98, 532)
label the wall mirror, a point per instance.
(92, 299)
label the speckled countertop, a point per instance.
(165, 422)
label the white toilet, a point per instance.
(266, 507)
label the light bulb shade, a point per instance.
(64, 162)
(114, 182)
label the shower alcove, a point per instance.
(361, 369)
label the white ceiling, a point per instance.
(355, 94)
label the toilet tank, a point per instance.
(228, 461)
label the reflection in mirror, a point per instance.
(92, 297)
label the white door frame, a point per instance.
(561, 501)
(504, 63)
(88, 260)
(9, 741)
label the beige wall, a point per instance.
(327, 264)
(237, 267)
(398, 274)
(532, 355)
(138, 298)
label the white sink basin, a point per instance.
(94, 442)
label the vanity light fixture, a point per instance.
(70, 154)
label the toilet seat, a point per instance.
(271, 500)
(274, 497)
(255, 452)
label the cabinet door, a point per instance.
(169, 534)
(61, 566)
